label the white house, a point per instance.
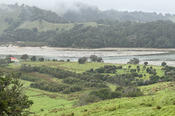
(13, 59)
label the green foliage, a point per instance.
(29, 78)
(24, 57)
(82, 60)
(41, 59)
(33, 58)
(105, 94)
(134, 61)
(58, 73)
(145, 63)
(95, 58)
(130, 91)
(12, 100)
(163, 64)
(106, 69)
(87, 99)
(49, 86)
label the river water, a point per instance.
(109, 55)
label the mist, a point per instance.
(61, 6)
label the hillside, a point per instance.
(157, 99)
(14, 15)
(30, 26)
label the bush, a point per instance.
(82, 60)
(71, 80)
(105, 94)
(13, 102)
(71, 89)
(106, 69)
(163, 64)
(134, 61)
(41, 59)
(95, 58)
(131, 92)
(49, 86)
(33, 58)
(87, 99)
(24, 57)
(29, 78)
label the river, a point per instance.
(109, 55)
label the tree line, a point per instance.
(159, 34)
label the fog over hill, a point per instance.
(159, 6)
(85, 27)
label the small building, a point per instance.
(13, 59)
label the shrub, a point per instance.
(86, 99)
(29, 78)
(41, 59)
(24, 57)
(134, 61)
(131, 92)
(33, 58)
(145, 63)
(71, 80)
(82, 60)
(106, 69)
(71, 89)
(163, 64)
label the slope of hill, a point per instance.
(158, 99)
(14, 15)
(30, 24)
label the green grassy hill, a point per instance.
(46, 26)
(158, 99)
(159, 102)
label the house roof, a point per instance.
(13, 58)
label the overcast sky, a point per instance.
(164, 6)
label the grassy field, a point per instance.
(158, 99)
(161, 102)
(80, 68)
(46, 26)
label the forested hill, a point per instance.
(32, 26)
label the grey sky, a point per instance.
(164, 6)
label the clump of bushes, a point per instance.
(71, 89)
(58, 73)
(95, 58)
(107, 69)
(134, 61)
(82, 60)
(49, 86)
(29, 78)
(106, 93)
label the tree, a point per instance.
(134, 61)
(93, 58)
(41, 59)
(145, 63)
(163, 64)
(99, 59)
(33, 58)
(24, 57)
(12, 100)
(82, 60)
(8, 59)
